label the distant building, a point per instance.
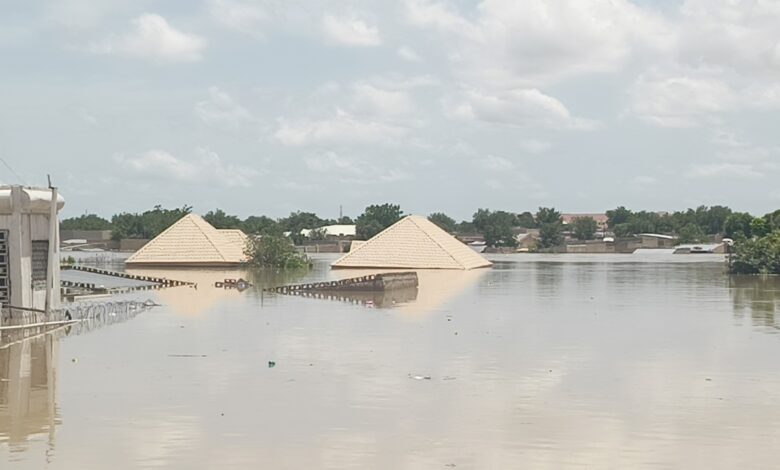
(656, 240)
(414, 242)
(192, 242)
(333, 231)
(601, 220)
(712, 248)
(528, 240)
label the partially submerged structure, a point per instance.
(29, 249)
(192, 242)
(413, 242)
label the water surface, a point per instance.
(599, 361)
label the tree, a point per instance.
(318, 234)
(712, 219)
(550, 227)
(738, 225)
(147, 225)
(298, 221)
(774, 219)
(547, 215)
(377, 218)
(496, 227)
(444, 221)
(220, 220)
(618, 216)
(260, 224)
(466, 228)
(550, 235)
(85, 222)
(585, 228)
(526, 220)
(274, 251)
(691, 233)
(346, 220)
(759, 227)
(760, 255)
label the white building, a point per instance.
(339, 230)
(29, 249)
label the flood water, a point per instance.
(598, 361)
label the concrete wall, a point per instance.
(25, 226)
(88, 235)
(591, 246)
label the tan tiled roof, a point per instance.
(414, 242)
(192, 241)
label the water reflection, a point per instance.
(381, 299)
(28, 383)
(203, 296)
(589, 363)
(759, 296)
(436, 287)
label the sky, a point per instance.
(270, 106)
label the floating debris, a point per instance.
(271, 364)
(420, 377)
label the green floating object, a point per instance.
(271, 364)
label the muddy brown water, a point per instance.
(598, 361)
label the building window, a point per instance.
(40, 263)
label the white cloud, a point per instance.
(342, 128)
(381, 101)
(207, 167)
(245, 16)
(681, 101)
(535, 146)
(155, 40)
(221, 110)
(511, 44)
(350, 31)
(642, 181)
(331, 161)
(725, 170)
(742, 35)
(494, 163)
(519, 107)
(436, 15)
(407, 53)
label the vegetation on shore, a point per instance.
(756, 255)
(499, 228)
(274, 251)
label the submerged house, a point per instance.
(413, 242)
(192, 242)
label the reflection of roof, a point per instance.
(436, 288)
(345, 230)
(192, 242)
(413, 243)
(193, 300)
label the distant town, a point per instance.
(620, 230)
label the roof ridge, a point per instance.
(371, 240)
(412, 219)
(170, 227)
(200, 227)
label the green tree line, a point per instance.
(498, 227)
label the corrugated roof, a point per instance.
(413, 242)
(192, 241)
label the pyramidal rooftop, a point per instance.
(413, 242)
(192, 242)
